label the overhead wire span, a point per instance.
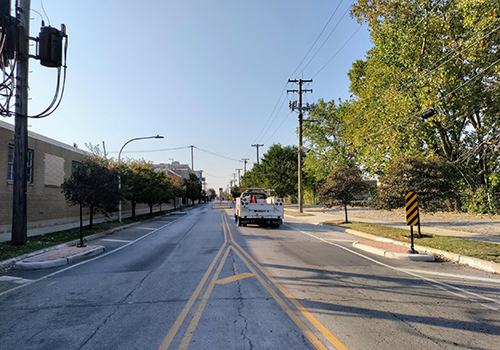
(269, 128)
(153, 150)
(270, 116)
(338, 51)
(218, 155)
(328, 37)
(315, 41)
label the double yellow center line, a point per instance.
(246, 258)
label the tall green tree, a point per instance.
(93, 186)
(326, 140)
(439, 54)
(277, 170)
(193, 187)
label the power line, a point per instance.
(328, 37)
(336, 53)
(218, 155)
(315, 41)
(154, 150)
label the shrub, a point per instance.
(433, 179)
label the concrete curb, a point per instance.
(5, 264)
(35, 265)
(393, 255)
(476, 263)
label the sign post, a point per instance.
(412, 216)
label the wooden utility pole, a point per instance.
(192, 159)
(19, 208)
(257, 145)
(239, 176)
(245, 160)
(300, 109)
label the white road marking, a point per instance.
(17, 280)
(473, 278)
(95, 258)
(340, 240)
(437, 284)
(115, 240)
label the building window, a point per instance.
(10, 165)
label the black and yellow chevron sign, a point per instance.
(411, 209)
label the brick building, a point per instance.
(50, 162)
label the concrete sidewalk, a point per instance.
(338, 215)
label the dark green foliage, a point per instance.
(342, 186)
(235, 192)
(433, 179)
(94, 186)
(277, 170)
(193, 187)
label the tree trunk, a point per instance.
(133, 209)
(175, 207)
(91, 218)
(151, 209)
(345, 209)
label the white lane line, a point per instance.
(17, 280)
(340, 240)
(145, 228)
(472, 278)
(438, 284)
(115, 240)
(95, 258)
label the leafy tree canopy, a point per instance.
(94, 186)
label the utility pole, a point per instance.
(245, 160)
(239, 176)
(257, 145)
(19, 209)
(192, 159)
(293, 106)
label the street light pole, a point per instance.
(119, 163)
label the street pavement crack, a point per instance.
(244, 330)
(137, 286)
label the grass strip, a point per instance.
(39, 242)
(296, 213)
(477, 249)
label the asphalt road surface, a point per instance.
(197, 281)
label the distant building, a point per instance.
(183, 170)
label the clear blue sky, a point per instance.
(202, 73)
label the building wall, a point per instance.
(52, 164)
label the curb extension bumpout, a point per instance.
(394, 255)
(35, 265)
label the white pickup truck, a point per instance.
(255, 207)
